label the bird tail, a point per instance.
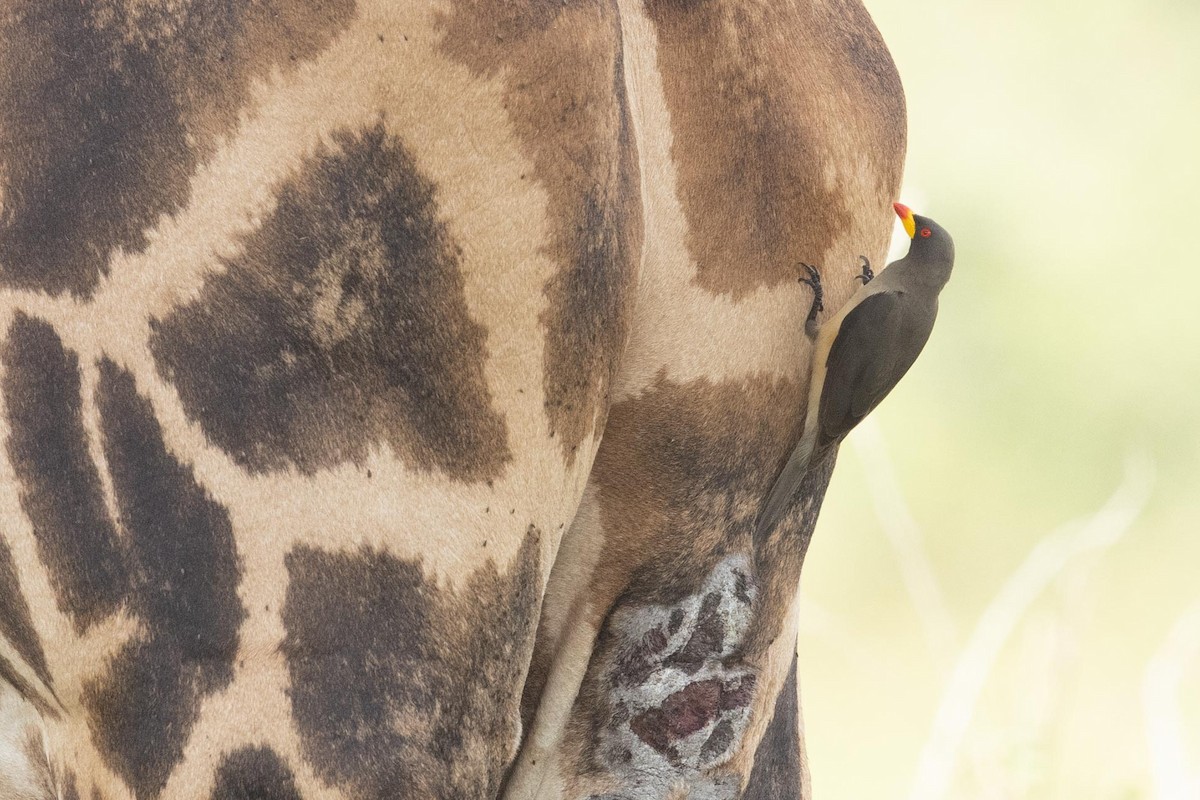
(788, 482)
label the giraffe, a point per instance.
(388, 389)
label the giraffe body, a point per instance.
(387, 389)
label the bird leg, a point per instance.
(818, 303)
(867, 273)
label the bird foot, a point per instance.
(818, 303)
(868, 274)
(814, 280)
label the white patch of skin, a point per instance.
(539, 773)
(666, 680)
(635, 768)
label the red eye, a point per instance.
(926, 233)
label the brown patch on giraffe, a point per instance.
(16, 624)
(107, 108)
(254, 773)
(565, 96)
(779, 558)
(401, 687)
(10, 676)
(60, 488)
(778, 768)
(342, 324)
(13, 685)
(695, 601)
(681, 475)
(70, 787)
(749, 88)
(535, 680)
(691, 709)
(185, 573)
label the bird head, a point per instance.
(918, 227)
(931, 243)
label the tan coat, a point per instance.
(388, 389)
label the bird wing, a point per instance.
(877, 343)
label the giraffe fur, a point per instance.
(387, 390)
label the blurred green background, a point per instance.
(1002, 599)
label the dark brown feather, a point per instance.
(876, 345)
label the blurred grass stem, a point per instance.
(1044, 564)
(1165, 735)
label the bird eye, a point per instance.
(926, 233)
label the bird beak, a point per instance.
(906, 218)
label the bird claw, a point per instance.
(868, 274)
(814, 280)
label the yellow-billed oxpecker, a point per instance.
(864, 350)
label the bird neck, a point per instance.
(924, 270)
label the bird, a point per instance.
(863, 351)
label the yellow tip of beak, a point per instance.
(906, 219)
